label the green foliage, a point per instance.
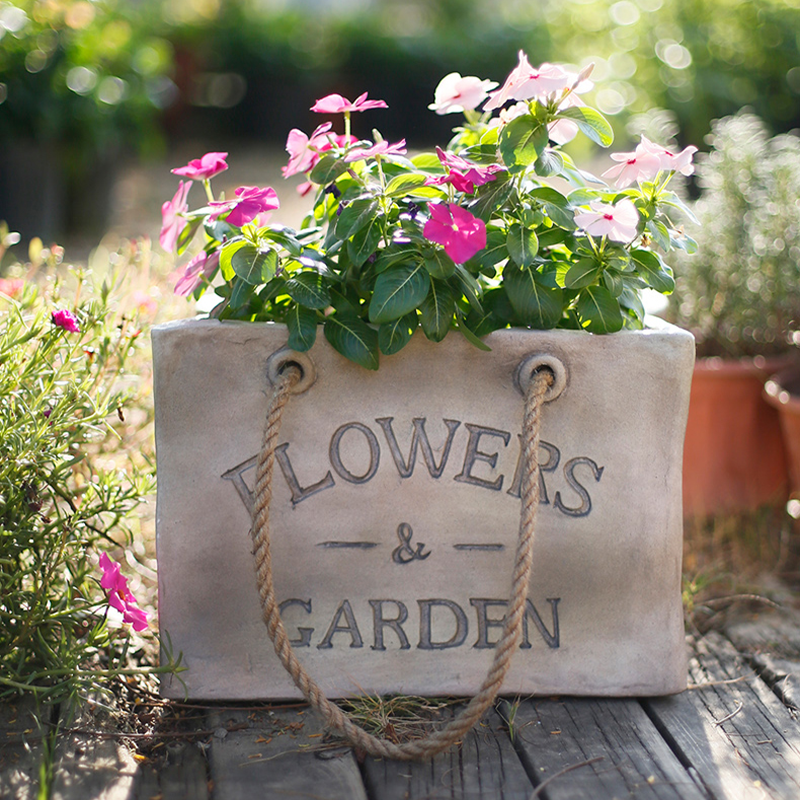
(88, 76)
(378, 258)
(67, 493)
(740, 292)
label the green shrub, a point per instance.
(69, 485)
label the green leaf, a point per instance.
(355, 216)
(437, 311)
(308, 289)
(491, 197)
(659, 233)
(495, 250)
(536, 305)
(582, 274)
(225, 258)
(240, 294)
(439, 264)
(591, 122)
(549, 163)
(302, 325)
(394, 336)
(187, 234)
(523, 244)
(522, 142)
(252, 265)
(365, 242)
(472, 337)
(598, 310)
(398, 291)
(403, 184)
(650, 267)
(470, 288)
(353, 338)
(327, 170)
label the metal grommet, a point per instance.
(532, 364)
(285, 357)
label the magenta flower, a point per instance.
(65, 320)
(303, 150)
(618, 222)
(455, 94)
(249, 203)
(453, 227)
(379, 149)
(119, 596)
(205, 168)
(462, 174)
(199, 270)
(172, 220)
(336, 104)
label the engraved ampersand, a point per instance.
(404, 553)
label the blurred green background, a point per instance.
(89, 85)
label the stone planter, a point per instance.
(734, 456)
(395, 513)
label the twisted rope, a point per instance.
(333, 716)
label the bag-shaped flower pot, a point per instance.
(395, 510)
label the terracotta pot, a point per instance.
(396, 508)
(782, 392)
(734, 457)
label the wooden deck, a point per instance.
(733, 734)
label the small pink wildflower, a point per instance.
(677, 162)
(205, 168)
(65, 320)
(642, 164)
(249, 203)
(336, 104)
(172, 220)
(378, 149)
(461, 234)
(201, 268)
(119, 596)
(303, 150)
(143, 302)
(455, 94)
(618, 222)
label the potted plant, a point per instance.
(396, 490)
(740, 296)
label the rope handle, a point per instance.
(333, 716)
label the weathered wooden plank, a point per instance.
(275, 753)
(782, 675)
(20, 750)
(739, 738)
(182, 777)
(585, 748)
(485, 767)
(97, 767)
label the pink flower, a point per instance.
(205, 168)
(619, 222)
(304, 151)
(451, 226)
(172, 221)
(525, 83)
(11, 287)
(379, 149)
(455, 94)
(677, 162)
(66, 320)
(249, 203)
(642, 164)
(143, 302)
(119, 596)
(199, 270)
(462, 174)
(336, 104)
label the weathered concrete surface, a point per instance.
(393, 577)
